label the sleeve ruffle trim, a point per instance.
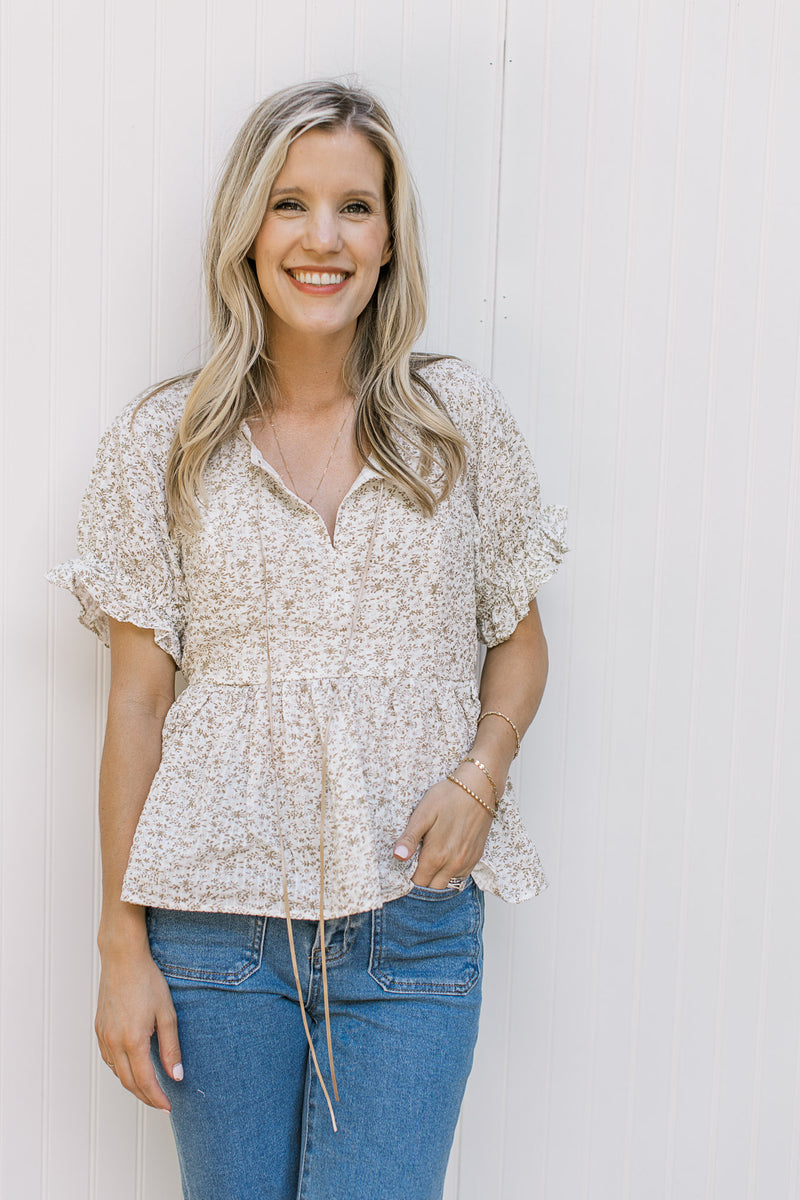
(510, 585)
(102, 594)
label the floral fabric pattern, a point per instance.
(255, 608)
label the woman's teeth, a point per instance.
(317, 279)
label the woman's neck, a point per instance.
(309, 371)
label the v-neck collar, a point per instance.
(368, 471)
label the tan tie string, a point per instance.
(323, 791)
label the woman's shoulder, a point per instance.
(450, 375)
(468, 395)
(147, 424)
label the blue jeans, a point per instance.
(250, 1120)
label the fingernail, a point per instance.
(177, 1072)
(401, 851)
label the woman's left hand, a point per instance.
(452, 828)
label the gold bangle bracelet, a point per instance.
(481, 767)
(491, 811)
(508, 720)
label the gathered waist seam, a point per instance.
(424, 681)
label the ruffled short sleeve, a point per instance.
(521, 543)
(128, 564)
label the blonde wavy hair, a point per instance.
(400, 421)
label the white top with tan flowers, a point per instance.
(262, 574)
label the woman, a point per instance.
(315, 528)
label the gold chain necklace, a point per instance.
(327, 464)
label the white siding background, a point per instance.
(612, 193)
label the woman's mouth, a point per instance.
(318, 281)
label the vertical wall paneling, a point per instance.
(719, 580)
(652, 355)
(178, 172)
(456, 82)
(774, 1119)
(281, 46)
(5, 326)
(330, 37)
(76, 340)
(621, 35)
(428, 101)
(610, 192)
(757, 601)
(25, 626)
(777, 1082)
(523, 238)
(51, 334)
(767, 484)
(557, 47)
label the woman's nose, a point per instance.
(322, 231)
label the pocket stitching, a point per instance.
(425, 987)
(230, 979)
(435, 894)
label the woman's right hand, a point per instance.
(133, 1003)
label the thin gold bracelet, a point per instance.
(483, 717)
(492, 812)
(481, 767)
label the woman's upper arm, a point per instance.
(141, 672)
(529, 629)
(526, 643)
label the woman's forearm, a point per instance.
(131, 755)
(512, 683)
(142, 689)
(447, 822)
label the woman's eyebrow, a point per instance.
(298, 191)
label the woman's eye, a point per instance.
(354, 207)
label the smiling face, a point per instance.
(325, 235)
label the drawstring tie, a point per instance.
(323, 791)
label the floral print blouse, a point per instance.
(256, 609)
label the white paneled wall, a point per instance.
(611, 191)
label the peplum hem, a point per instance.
(208, 838)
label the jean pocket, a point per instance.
(215, 948)
(428, 942)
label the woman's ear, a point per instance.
(387, 252)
